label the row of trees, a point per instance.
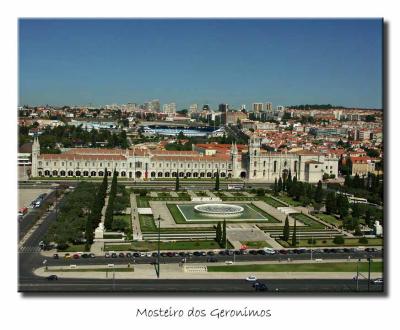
(94, 217)
(72, 218)
(300, 191)
(108, 219)
(71, 136)
(220, 234)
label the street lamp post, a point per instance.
(158, 248)
(369, 272)
(357, 275)
(312, 242)
(113, 277)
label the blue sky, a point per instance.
(200, 61)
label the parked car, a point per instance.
(142, 254)
(154, 254)
(92, 255)
(269, 250)
(136, 254)
(114, 255)
(107, 255)
(76, 256)
(52, 278)
(210, 253)
(121, 255)
(129, 255)
(251, 278)
(212, 259)
(283, 252)
(55, 256)
(148, 254)
(85, 255)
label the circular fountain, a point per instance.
(219, 210)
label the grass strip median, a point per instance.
(307, 267)
(76, 270)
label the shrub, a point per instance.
(260, 192)
(311, 241)
(363, 240)
(338, 240)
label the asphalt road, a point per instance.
(276, 286)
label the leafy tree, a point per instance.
(338, 240)
(342, 205)
(286, 230)
(330, 203)
(368, 219)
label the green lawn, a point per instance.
(256, 244)
(289, 200)
(311, 267)
(147, 223)
(74, 270)
(177, 245)
(329, 219)
(75, 248)
(273, 202)
(308, 221)
(142, 201)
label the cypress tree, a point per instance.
(89, 229)
(218, 233)
(294, 236)
(223, 239)
(318, 192)
(280, 184)
(286, 230)
(177, 182)
(217, 181)
(276, 187)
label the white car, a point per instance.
(269, 250)
(378, 281)
(251, 278)
(142, 254)
(148, 254)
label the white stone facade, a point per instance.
(255, 164)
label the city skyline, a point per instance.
(285, 62)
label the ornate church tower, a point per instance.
(254, 156)
(235, 161)
(35, 154)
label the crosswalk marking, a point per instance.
(29, 249)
